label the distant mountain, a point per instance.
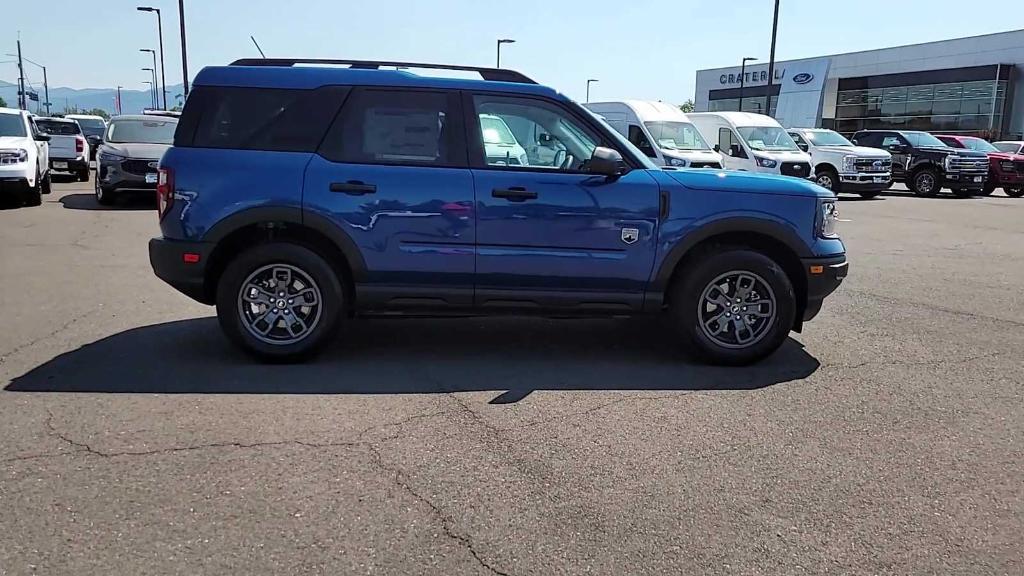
(132, 101)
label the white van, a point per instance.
(659, 130)
(753, 142)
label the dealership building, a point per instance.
(964, 86)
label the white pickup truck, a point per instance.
(69, 150)
(24, 159)
(841, 166)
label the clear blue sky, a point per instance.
(638, 48)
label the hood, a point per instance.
(143, 151)
(748, 182)
(692, 154)
(13, 141)
(1006, 156)
(950, 150)
(860, 151)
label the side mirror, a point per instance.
(94, 140)
(717, 148)
(606, 162)
(42, 137)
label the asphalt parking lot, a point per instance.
(888, 438)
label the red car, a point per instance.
(1005, 170)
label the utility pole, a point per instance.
(184, 57)
(21, 78)
(771, 63)
(589, 82)
(46, 91)
(117, 103)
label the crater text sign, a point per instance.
(751, 77)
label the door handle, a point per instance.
(353, 188)
(514, 194)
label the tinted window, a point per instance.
(91, 126)
(263, 119)
(923, 139)
(12, 125)
(156, 131)
(1008, 147)
(952, 142)
(891, 140)
(57, 128)
(397, 127)
(639, 139)
(548, 136)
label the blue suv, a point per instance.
(300, 193)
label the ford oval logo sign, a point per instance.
(803, 78)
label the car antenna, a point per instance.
(262, 55)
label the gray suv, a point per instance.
(128, 157)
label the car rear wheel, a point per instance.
(279, 301)
(1014, 192)
(925, 183)
(734, 306)
(83, 175)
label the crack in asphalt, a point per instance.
(927, 306)
(5, 355)
(939, 362)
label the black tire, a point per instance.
(104, 196)
(83, 175)
(828, 179)
(919, 180)
(869, 195)
(989, 188)
(47, 183)
(686, 300)
(964, 192)
(1014, 192)
(256, 261)
(33, 196)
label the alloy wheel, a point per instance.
(737, 309)
(279, 304)
(825, 181)
(925, 183)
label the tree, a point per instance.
(687, 106)
(3, 103)
(98, 112)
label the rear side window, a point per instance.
(55, 128)
(383, 126)
(280, 120)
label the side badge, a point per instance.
(630, 235)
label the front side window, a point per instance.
(397, 127)
(57, 128)
(892, 141)
(12, 125)
(676, 136)
(800, 142)
(639, 139)
(545, 136)
(767, 138)
(140, 131)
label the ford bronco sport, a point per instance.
(297, 195)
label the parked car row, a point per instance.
(24, 159)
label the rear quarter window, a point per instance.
(281, 120)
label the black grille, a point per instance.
(1020, 166)
(868, 165)
(705, 165)
(798, 169)
(140, 167)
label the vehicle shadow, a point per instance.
(856, 198)
(514, 356)
(88, 202)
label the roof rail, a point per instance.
(494, 74)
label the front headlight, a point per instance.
(766, 162)
(110, 157)
(849, 163)
(677, 162)
(13, 156)
(828, 220)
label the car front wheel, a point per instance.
(1014, 192)
(279, 301)
(925, 183)
(827, 179)
(734, 306)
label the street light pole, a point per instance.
(184, 58)
(117, 104)
(153, 99)
(151, 90)
(500, 42)
(160, 34)
(21, 80)
(589, 82)
(771, 62)
(743, 76)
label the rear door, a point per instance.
(549, 234)
(392, 174)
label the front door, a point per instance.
(392, 175)
(549, 234)
(900, 150)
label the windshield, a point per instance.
(980, 145)
(12, 125)
(676, 136)
(918, 139)
(768, 138)
(91, 126)
(1008, 147)
(57, 128)
(142, 131)
(495, 131)
(827, 138)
